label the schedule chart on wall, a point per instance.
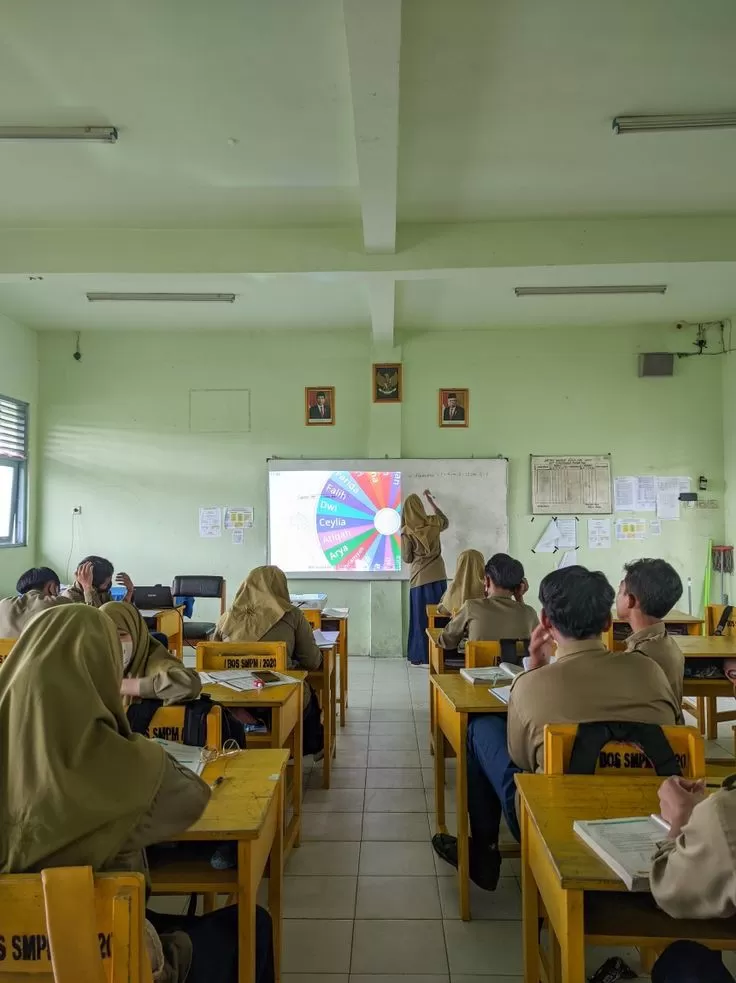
(567, 484)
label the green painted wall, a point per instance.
(19, 379)
(115, 435)
(728, 364)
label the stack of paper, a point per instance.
(242, 680)
(502, 692)
(325, 639)
(335, 612)
(626, 845)
(186, 755)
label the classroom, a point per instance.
(269, 272)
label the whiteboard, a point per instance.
(471, 492)
(568, 485)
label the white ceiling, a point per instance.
(311, 115)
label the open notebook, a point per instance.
(491, 674)
(626, 845)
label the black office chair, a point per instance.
(196, 586)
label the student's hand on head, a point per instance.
(124, 580)
(521, 589)
(677, 799)
(541, 647)
(85, 576)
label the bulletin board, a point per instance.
(571, 485)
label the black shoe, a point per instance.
(485, 864)
(613, 969)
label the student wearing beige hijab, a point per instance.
(262, 612)
(421, 547)
(38, 590)
(149, 670)
(77, 787)
(467, 585)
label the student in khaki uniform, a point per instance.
(502, 614)
(586, 683)
(422, 548)
(694, 875)
(468, 583)
(78, 788)
(92, 582)
(38, 590)
(649, 591)
(149, 670)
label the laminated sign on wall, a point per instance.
(569, 485)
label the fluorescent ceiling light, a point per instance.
(677, 121)
(619, 288)
(171, 298)
(99, 134)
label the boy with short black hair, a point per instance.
(92, 582)
(648, 592)
(586, 683)
(38, 590)
(501, 614)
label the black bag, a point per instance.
(591, 738)
(140, 714)
(723, 620)
(313, 738)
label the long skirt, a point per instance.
(419, 598)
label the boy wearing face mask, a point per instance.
(149, 671)
(38, 590)
(93, 580)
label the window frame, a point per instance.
(17, 536)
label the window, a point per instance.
(13, 465)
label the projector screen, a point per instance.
(342, 519)
(335, 521)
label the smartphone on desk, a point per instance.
(266, 676)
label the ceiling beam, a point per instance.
(382, 299)
(428, 251)
(373, 34)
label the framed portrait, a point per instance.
(454, 407)
(319, 406)
(387, 382)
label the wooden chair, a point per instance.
(313, 616)
(624, 760)
(6, 645)
(66, 925)
(200, 586)
(214, 656)
(706, 707)
(168, 723)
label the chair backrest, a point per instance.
(200, 586)
(481, 654)
(66, 926)
(624, 760)
(213, 656)
(168, 723)
(713, 613)
(6, 645)
(313, 616)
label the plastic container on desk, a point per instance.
(117, 592)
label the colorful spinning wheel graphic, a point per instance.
(358, 520)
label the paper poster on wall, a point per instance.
(547, 542)
(571, 485)
(210, 522)
(568, 559)
(568, 534)
(238, 537)
(646, 493)
(239, 517)
(599, 534)
(668, 498)
(628, 530)
(624, 494)
(655, 527)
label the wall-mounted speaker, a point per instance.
(656, 364)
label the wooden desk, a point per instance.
(678, 623)
(707, 691)
(286, 706)
(434, 619)
(246, 807)
(340, 625)
(169, 622)
(454, 699)
(582, 897)
(323, 682)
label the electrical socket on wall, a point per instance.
(76, 509)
